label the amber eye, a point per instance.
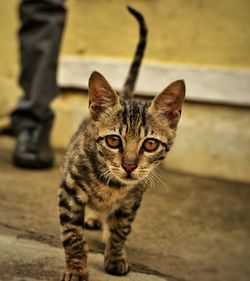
(151, 145)
(113, 141)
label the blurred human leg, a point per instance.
(42, 24)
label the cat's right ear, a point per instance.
(101, 95)
(169, 102)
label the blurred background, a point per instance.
(206, 43)
(194, 225)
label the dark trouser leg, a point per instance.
(42, 23)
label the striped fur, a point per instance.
(103, 185)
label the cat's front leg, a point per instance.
(117, 231)
(71, 209)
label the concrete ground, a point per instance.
(188, 228)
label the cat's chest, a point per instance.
(105, 198)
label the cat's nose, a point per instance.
(129, 167)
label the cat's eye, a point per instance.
(151, 145)
(113, 141)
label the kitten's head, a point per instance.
(133, 137)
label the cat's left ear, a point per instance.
(101, 95)
(169, 102)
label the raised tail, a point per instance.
(129, 84)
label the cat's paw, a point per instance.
(93, 224)
(75, 275)
(117, 267)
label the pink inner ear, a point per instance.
(101, 95)
(172, 97)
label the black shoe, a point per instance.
(33, 149)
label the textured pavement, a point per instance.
(188, 228)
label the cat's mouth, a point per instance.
(129, 178)
(125, 177)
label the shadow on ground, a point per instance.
(189, 228)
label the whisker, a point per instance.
(149, 182)
(105, 174)
(158, 178)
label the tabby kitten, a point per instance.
(109, 162)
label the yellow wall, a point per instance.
(198, 32)
(8, 59)
(210, 32)
(202, 32)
